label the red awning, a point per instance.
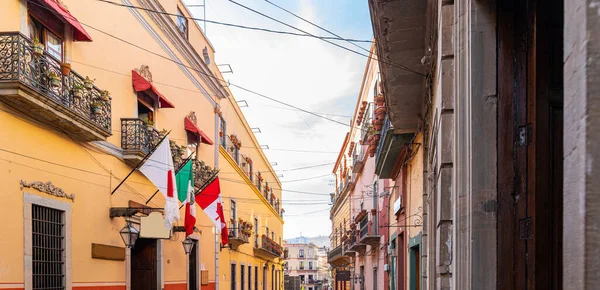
(191, 127)
(79, 34)
(140, 84)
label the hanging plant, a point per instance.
(54, 79)
(88, 83)
(77, 91)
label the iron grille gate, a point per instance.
(48, 244)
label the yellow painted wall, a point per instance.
(85, 169)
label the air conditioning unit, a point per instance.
(386, 268)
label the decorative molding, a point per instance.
(144, 71)
(48, 188)
(192, 117)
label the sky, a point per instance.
(302, 71)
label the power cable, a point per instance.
(403, 67)
(235, 25)
(199, 71)
(313, 24)
(308, 178)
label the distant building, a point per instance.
(309, 263)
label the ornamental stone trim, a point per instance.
(48, 188)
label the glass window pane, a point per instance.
(54, 45)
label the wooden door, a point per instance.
(193, 267)
(143, 265)
(530, 144)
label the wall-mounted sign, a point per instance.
(397, 205)
(48, 188)
(153, 227)
(342, 276)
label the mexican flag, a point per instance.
(210, 201)
(159, 169)
(185, 190)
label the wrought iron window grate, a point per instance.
(48, 244)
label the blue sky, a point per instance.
(301, 71)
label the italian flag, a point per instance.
(159, 169)
(210, 201)
(185, 190)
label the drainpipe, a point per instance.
(216, 157)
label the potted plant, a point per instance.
(88, 83)
(54, 79)
(376, 136)
(379, 100)
(378, 124)
(373, 211)
(97, 107)
(105, 96)
(221, 134)
(149, 124)
(380, 112)
(65, 68)
(37, 46)
(77, 91)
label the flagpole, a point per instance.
(140, 163)
(176, 171)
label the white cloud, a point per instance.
(302, 71)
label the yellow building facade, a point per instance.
(66, 143)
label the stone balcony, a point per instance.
(32, 83)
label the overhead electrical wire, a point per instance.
(400, 66)
(313, 24)
(236, 25)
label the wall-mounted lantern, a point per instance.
(188, 245)
(129, 234)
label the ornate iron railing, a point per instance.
(384, 131)
(18, 62)
(137, 136)
(334, 253)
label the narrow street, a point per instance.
(299, 145)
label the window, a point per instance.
(233, 216)
(50, 38)
(256, 231)
(223, 132)
(242, 282)
(267, 232)
(301, 265)
(182, 23)
(233, 277)
(301, 253)
(249, 277)
(48, 244)
(256, 278)
(251, 175)
(374, 278)
(302, 279)
(272, 235)
(310, 266)
(310, 278)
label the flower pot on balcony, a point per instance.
(77, 91)
(65, 68)
(376, 137)
(97, 107)
(37, 47)
(379, 100)
(380, 113)
(88, 83)
(378, 124)
(105, 96)
(54, 79)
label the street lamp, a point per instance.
(129, 235)
(188, 245)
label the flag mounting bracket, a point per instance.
(131, 211)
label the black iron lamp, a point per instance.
(188, 245)
(129, 234)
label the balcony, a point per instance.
(369, 233)
(348, 249)
(33, 84)
(137, 139)
(390, 148)
(335, 257)
(356, 246)
(268, 249)
(239, 234)
(358, 159)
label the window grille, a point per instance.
(48, 244)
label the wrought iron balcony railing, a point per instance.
(86, 111)
(384, 131)
(268, 248)
(137, 139)
(369, 235)
(238, 234)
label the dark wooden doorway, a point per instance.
(193, 267)
(530, 136)
(144, 275)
